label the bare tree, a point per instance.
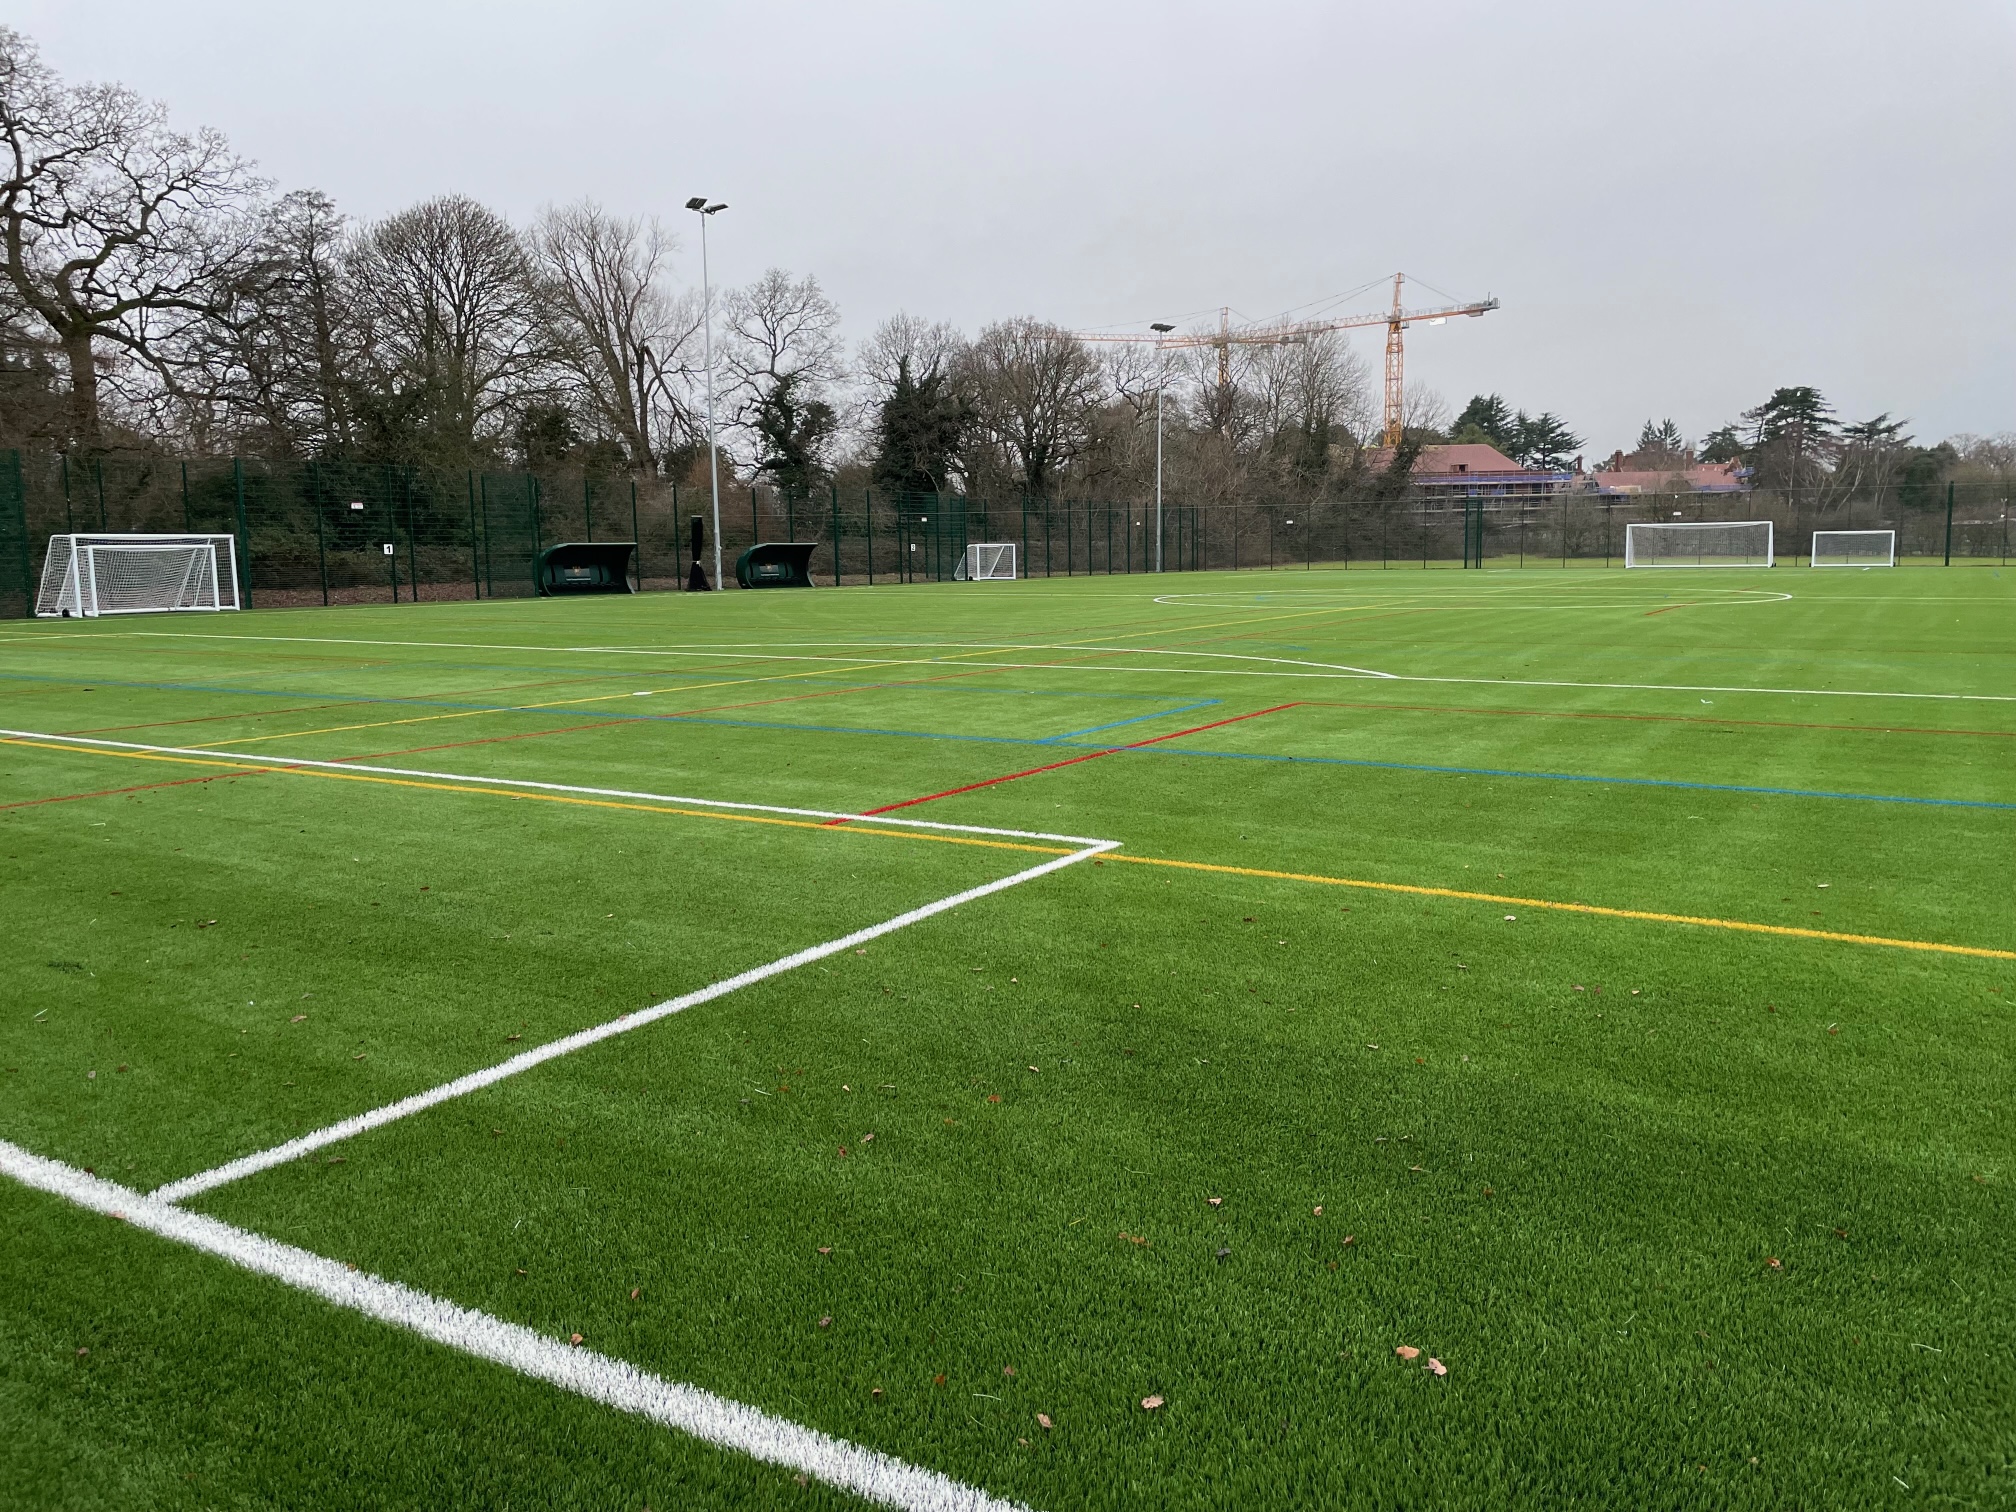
(625, 340)
(1035, 390)
(454, 324)
(120, 234)
(927, 346)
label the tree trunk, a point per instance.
(83, 386)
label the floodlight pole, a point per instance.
(1161, 382)
(700, 207)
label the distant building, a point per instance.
(1474, 470)
(1641, 472)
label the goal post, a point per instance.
(986, 561)
(1854, 548)
(1706, 543)
(84, 576)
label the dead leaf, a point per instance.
(1008, 1370)
(876, 1393)
(1317, 1211)
(1437, 1366)
(636, 1292)
(825, 1249)
(1350, 1239)
(1043, 1421)
(994, 1097)
(574, 1339)
(87, 1349)
(1032, 1068)
(512, 1038)
(1775, 1263)
(826, 1322)
(843, 1150)
(297, 1018)
(1215, 1201)
(867, 1139)
(938, 1380)
(1406, 1351)
(1150, 1403)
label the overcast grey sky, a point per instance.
(1681, 206)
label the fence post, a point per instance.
(755, 533)
(475, 561)
(12, 482)
(314, 503)
(412, 535)
(244, 534)
(69, 517)
(98, 472)
(186, 526)
(868, 514)
(1949, 524)
(636, 535)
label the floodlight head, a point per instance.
(1160, 327)
(712, 208)
(698, 202)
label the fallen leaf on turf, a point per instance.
(636, 1292)
(1318, 1211)
(867, 1139)
(1032, 1068)
(1215, 1201)
(876, 1393)
(994, 1097)
(1840, 1233)
(1223, 1253)
(1406, 1351)
(1775, 1263)
(825, 1322)
(1007, 1370)
(1509, 918)
(297, 1018)
(825, 1249)
(87, 1349)
(1043, 1421)
(938, 1380)
(574, 1339)
(1350, 1239)
(1437, 1366)
(1150, 1403)
(511, 1038)
(843, 1149)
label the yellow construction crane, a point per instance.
(1287, 332)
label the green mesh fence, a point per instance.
(329, 532)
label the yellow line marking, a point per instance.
(822, 825)
(1412, 890)
(557, 703)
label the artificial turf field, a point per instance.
(1598, 982)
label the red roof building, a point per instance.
(1474, 470)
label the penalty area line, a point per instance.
(476, 1081)
(693, 1410)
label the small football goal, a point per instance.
(85, 576)
(985, 561)
(1854, 548)
(1716, 543)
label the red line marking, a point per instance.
(1668, 609)
(600, 724)
(1053, 766)
(115, 792)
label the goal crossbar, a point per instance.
(86, 575)
(1698, 543)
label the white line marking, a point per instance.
(1336, 671)
(419, 1102)
(687, 1409)
(280, 763)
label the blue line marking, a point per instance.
(1205, 703)
(1655, 782)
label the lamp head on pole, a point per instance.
(699, 203)
(1161, 329)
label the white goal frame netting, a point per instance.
(85, 576)
(985, 562)
(1703, 543)
(1853, 548)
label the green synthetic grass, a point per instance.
(1565, 1150)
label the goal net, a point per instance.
(88, 575)
(1854, 548)
(1721, 543)
(985, 560)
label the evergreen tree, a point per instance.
(1489, 420)
(793, 432)
(1543, 441)
(922, 426)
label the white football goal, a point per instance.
(1708, 543)
(985, 561)
(88, 575)
(1854, 548)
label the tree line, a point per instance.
(160, 294)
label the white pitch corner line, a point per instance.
(475, 1081)
(280, 762)
(715, 1420)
